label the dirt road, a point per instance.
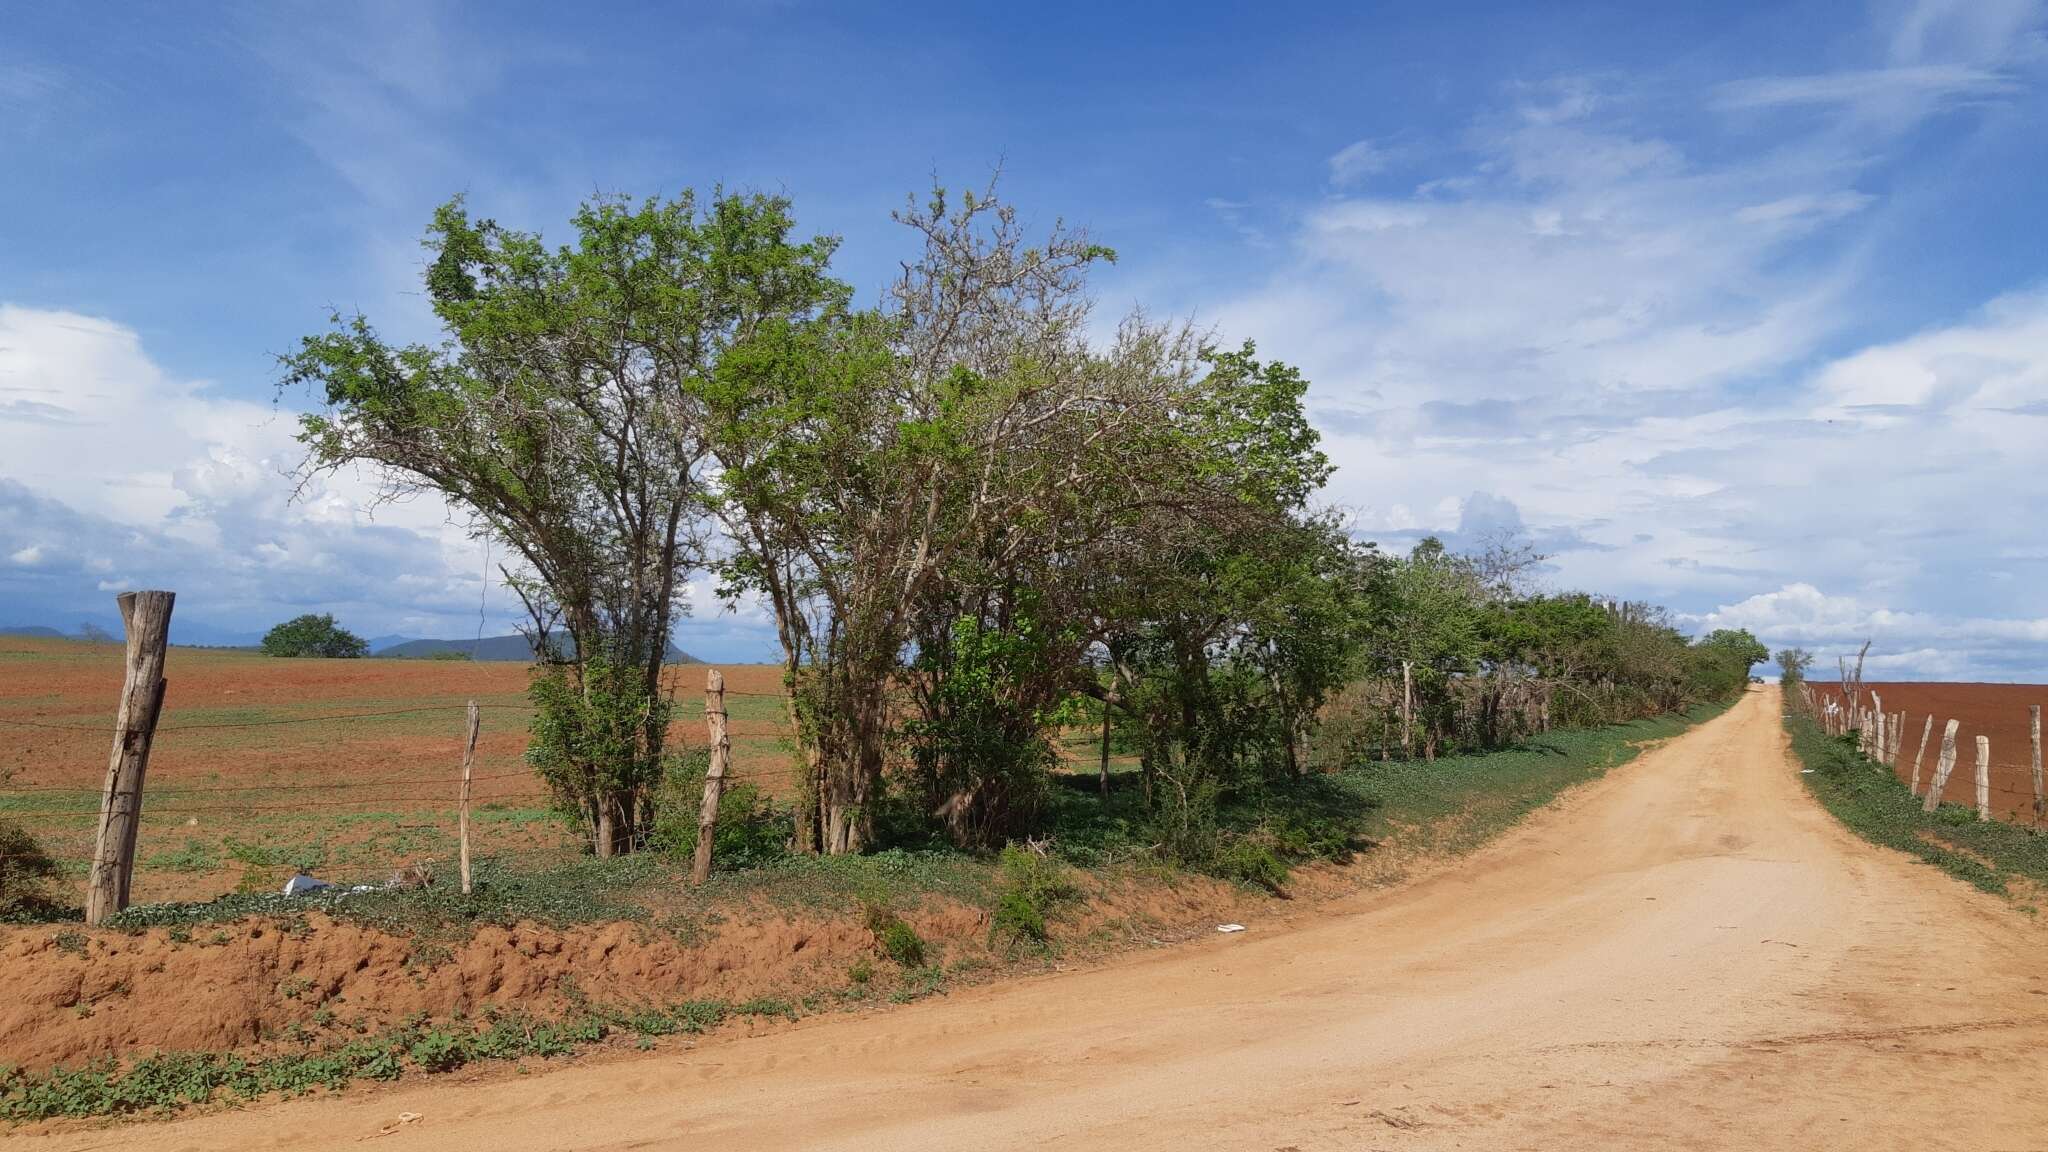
(1687, 954)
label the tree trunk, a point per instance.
(1105, 751)
(1407, 710)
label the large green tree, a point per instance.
(563, 412)
(314, 635)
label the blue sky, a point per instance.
(1743, 309)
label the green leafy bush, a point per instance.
(26, 869)
(1249, 861)
(751, 830)
(896, 939)
(1030, 887)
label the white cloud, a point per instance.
(1922, 643)
(1637, 345)
(1940, 52)
(180, 486)
(1914, 86)
(1354, 162)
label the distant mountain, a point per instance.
(31, 630)
(504, 648)
(380, 643)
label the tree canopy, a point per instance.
(974, 513)
(314, 635)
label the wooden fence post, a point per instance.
(1877, 736)
(714, 776)
(1926, 730)
(146, 618)
(468, 765)
(1983, 777)
(1943, 765)
(1105, 750)
(1407, 707)
(2034, 729)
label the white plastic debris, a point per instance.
(301, 884)
(1230, 927)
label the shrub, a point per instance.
(751, 830)
(1248, 861)
(1017, 918)
(25, 870)
(597, 734)
(1030, 886)
(896, 939)
(314, 635)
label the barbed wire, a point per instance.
(279, 721)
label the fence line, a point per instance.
(1879, 739)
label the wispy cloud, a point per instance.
(1915, 86)
(1354, 163)
(22, 86)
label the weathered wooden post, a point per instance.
(2034, 730)
(462, 815)
(714, 776)
(1877, 737)
(146, 618)
(1926, 730)
(1983, 777)
(1407, 707)
(1943, 765)
(1105, 750)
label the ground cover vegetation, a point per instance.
(975, 526)
(1996, 856)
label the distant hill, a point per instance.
(32, 630)
(507, 648)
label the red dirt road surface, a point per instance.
(1688, 953)
(1996, 711)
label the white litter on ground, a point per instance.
(1230, 927)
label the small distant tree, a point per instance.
(1792, 665)
(93, 634)
(314, 635)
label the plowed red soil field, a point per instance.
(349, 767)
(1997, 711)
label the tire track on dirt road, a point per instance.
(1688, 953)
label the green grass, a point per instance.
(1873, 803)
(165, 1082)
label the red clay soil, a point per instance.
(1998, 711)
(77, 995)
(241, 987)
(220, 713)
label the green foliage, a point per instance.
(1031, 886)
(1792, 666)
(597, 736)
(167, 1081)
(896, 939)
(979, 737)
(26, 870)
(1249, 861)
(564, 409)
(751, 829)
(314, 635)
